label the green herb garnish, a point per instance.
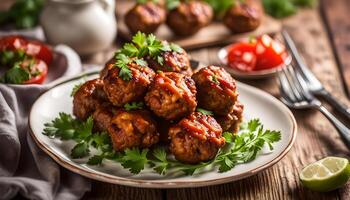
(75, 89)
(142, 45)
(240, 148)
(133, 106)
(15, 75)
(204, 112)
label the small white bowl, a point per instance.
(222, 54)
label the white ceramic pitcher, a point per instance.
(88, 26)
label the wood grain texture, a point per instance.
(336, 16)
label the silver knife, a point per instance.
(314, 85)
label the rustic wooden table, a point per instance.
(316, 137)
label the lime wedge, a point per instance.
(325, 175)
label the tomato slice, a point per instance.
(40, 51)
(270, 53)
(38, 71)
(242, 56)
(31, 47)
(13, 43)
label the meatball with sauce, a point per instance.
(172, 62)
(130, 129)
(171, 95)
(231, 121)
(216, 90)
(189, 17)
(87, 98)
(145, 17)
(120, 91)
(196, 138)
(243, 17)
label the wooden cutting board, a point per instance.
(215, 33)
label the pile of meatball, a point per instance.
(190, 16)
(171, 94)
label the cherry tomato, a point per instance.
(38, 71)
(13, 43)
(242, 56)
(270, 53)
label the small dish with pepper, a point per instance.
(256, 57)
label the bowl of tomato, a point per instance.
(258, 57)
(26, 61)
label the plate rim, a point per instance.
(100, 176)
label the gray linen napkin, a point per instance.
(24, 168)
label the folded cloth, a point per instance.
(24, 168)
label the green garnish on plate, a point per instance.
(241, 148)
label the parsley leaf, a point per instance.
(214, 78)
(240, 148)
(133, 106)
(204, 112)
(80, 150)
(75, 89)
(15, 75)
(135, 160)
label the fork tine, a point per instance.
(295, 83)
(303, 85)
(294, 90)
(285, 89)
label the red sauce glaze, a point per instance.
(203, 127)
(226, 83)
(174, 83)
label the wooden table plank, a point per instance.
(336, 16)
(316, 136)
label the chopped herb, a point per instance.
(204, 112)
(214, 78)
(133, 106)
(15, 75)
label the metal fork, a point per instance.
(295, 94)
(313, 84)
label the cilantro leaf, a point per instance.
(228, 137)
(176, 48)
(133, 106)
(204, 112)
(214, 78)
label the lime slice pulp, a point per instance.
(327, 174)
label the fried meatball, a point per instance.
(172, 62)
(196, 138)
(132, 129)
(120, 91)
(189, 17)
(231, 121)
(145, 17)
(102, 116)
(109, 65)
(216, 90)
(171, 95)
(243, 17)
(87, 98)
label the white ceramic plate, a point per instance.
(222, 54)
(258, 104)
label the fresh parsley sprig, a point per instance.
(240, 148)
(142, 45)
